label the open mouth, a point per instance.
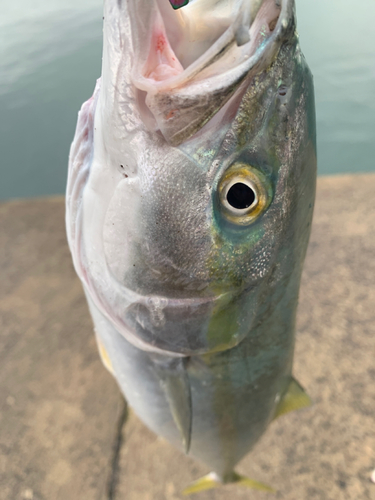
(205, 34)
(189, 62)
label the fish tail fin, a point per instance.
(251, 483)
(208, 482)
(212, 480)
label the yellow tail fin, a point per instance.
(204, 483)
(251, 483)
(293, 399)
(212, 480)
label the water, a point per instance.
(50, 57)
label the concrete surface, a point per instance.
(58, 408)
(62, 432)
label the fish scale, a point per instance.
(189, 203)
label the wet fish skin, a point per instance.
(169, 280)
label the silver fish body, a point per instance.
(194, 295)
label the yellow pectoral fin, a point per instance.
(105, 357)
(294, 398)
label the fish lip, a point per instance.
(178, 326)
(185, 326)
(184, 301)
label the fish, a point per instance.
(189, 203)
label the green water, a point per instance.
(50, 57)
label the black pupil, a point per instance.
(240, 196)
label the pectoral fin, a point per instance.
(294, 398)
(105, 357)
(175, 383)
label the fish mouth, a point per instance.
(180, 327)
(179, 47)
(173, 325)
(190, 62)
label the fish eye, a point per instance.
(244, 193)
(241, 195)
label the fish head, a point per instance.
(196, 211)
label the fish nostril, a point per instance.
(272, 24)
(282, 90)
